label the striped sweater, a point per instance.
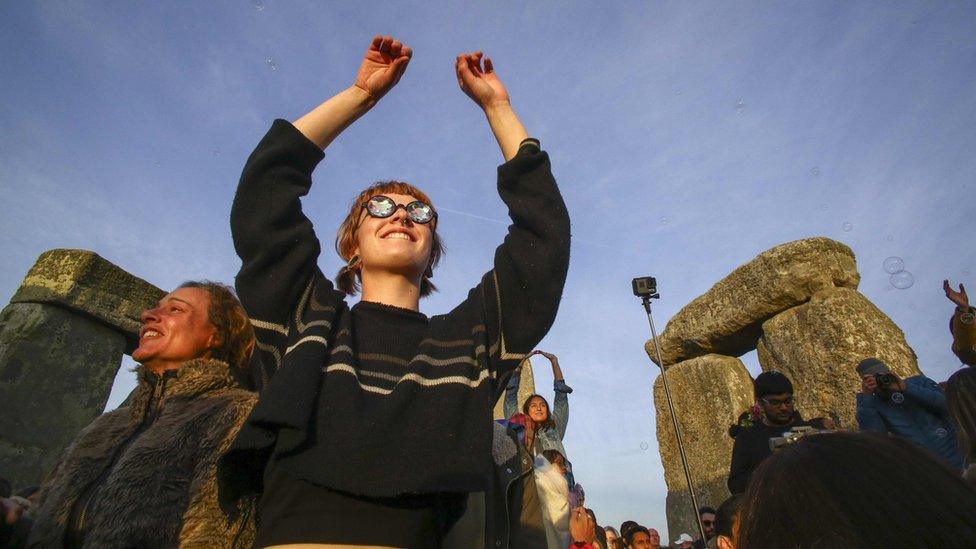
(375, 400)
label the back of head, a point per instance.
(771, 383)
(846, 489)
(726, 514)
(625, 528)
(961, 400)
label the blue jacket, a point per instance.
(922, 418)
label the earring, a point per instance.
(429, 272)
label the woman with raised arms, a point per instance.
(375, 422)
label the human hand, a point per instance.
(478, 82)
(869, 385)
(385, 62)
(959, 298)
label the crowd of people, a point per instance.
(279, 415)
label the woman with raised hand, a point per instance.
(375, 422)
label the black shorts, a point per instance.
(292, 510)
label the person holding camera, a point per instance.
(913, 408)
(774, 396)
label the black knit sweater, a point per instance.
(376, 400)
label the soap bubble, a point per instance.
(890, 238)
(216, 152)
(966, 318)
(894, 264)
(664, 220)
(941, 432)
(257, 5)
(271, 64)
(815, 170)
(897, 398)
(933, 323)
(643, 446)
(677, 92)
(740, 106)
(824, 207)
(903, 280)
(965, 272)
(848, 226)
(156, 163)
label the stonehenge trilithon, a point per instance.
(727, 319)
(62, 338)
(798, 304)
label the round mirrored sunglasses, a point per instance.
(383, 206)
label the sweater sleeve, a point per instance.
(521, 294)
(274, 239)
(868, 416)
(741, 467)
(560, 406)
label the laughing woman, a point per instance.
(375, 422)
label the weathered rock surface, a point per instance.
(61, 342)
(56, 372)
(83, 282)
(818, 344)
(709, 393)
(526, 388)
(727, 319)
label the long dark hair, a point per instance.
(549, 423)
(848, 489)
(961, 400)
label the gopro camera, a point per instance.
(645, 286)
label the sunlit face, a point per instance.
(178, 329)
(640, 540)
(611, 538)
(655, 538)
(778, 407)
(394, 244)
(538, 409)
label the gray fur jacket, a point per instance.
(144, 475)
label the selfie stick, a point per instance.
(646, 297)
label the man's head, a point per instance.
(774, 393)
(638, 537)
(707, 515)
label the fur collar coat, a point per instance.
(144, 475)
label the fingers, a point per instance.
(489, 67)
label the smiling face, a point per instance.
(178, 329)
(394, 244)
(537, 409)
(654, 537)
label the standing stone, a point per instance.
(61, 342)
(818, 344)
(727, 319)
(709, 393)
(526, 388)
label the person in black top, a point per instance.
(774, 394)
(374, 422)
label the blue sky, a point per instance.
(687, 137)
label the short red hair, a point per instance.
(347, 279)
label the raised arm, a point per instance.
(962, 325)
(560, 405)
(383, 64)
(272, 236)
(522, 292)
(482, 85)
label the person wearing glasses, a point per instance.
(374, 423)
(774, 395)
